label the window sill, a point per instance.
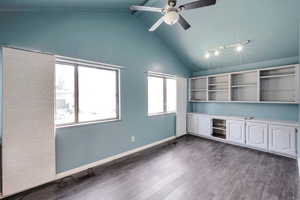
(161, 114)
(87, 123)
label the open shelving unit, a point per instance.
(278, 85)
(244, 86)
(198, 89)
(268, 85)
(218, 88)
(219, 128)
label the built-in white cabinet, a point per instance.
(204, 125)
(28, 132)
(257, 135)
(279, 137)
(192, 122)
(181, 106)
(236, 130)
(198, 124)
(271, 85)
(282, 139)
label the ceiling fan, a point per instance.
(172, 13)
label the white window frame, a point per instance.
(93, 65)
(165, 77)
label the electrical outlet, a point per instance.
(132, 138)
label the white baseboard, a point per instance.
(101, 162)
(299, 165)
(242, 145)
(109, 159)
(181, 134)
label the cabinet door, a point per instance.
(28, 141)
(204, 125)
(181, 106)
(236, 130)
(257, 135)
(192, 123)
(282, 139)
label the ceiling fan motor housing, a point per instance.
(172, 3)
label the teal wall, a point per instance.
(1, 95)
(269, 111)
(264, 111)
(299, 105)
(115, 38)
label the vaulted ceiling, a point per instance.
(66, 4)
(271, 25)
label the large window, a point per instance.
(161, 94)
(86, 94)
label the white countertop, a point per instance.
(250, 119)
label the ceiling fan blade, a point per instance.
(185, 25)
(145, 8)
(157, 24)
(197, 4)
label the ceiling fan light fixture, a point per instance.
(172, 13)
(171, 17)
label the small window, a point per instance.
(86, 94)
(161, 94)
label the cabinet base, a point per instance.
(245, 145)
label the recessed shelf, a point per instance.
(224, 90)
(198, 100)
(245, 85)
(219, 128)
(198, 90)
(222, 129)
(278, 71)
(278, 76)
(218, 84)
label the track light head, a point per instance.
(207, 55)
(239, 48)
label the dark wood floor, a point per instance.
(194, 169)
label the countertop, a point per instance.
(250, 119)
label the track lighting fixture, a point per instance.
(217, 53)
(238, 47)
(207, 55)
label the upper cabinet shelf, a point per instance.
(278, 76)
(268, 85)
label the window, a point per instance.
(65, 94)
(86, 94)
(161, 94)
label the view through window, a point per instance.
(161, 94)
(86, 94)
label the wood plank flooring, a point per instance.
(194, 169)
